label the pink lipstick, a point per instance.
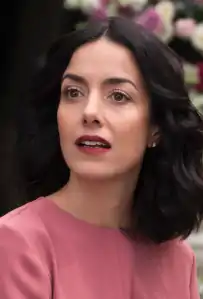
(93, 144)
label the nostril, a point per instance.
(90, 121)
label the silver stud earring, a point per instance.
(153, 144)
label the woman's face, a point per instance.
(103, 114)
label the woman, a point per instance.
(114, 96)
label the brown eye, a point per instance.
(120, 96)
(72, 93)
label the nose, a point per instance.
(92, 114)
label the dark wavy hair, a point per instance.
(168, 200)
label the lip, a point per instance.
(92, 150)
(92, 138)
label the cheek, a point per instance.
(61, 120)
(65, 122)
(133, 133)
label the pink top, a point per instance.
(46, 253)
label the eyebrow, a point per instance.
(108, 81)
(75, 78)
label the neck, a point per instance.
(104, 203)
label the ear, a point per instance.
(154, 137)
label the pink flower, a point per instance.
(150, 20)
(185, 27)
(104, 3)
(100, 14)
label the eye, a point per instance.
(72, 92)
(120, 96)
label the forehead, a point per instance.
(103, 58)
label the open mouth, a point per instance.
(93, 142)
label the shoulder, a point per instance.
(181, 250)
(178, 256)
(177, 250)
(172, 256)
(23, 229)
(24, 220)
(172, 249)
(24, 255)
(183, 265)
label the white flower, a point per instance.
(166, 10)
(72, 4)
(197, 37)
(85, 5)
(112, 9)
(191, 73)
(135, 4)
(167, 33)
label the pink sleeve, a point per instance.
(194, 291)
(22, 275)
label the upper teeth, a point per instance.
(92, 143)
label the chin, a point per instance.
(94, 175)
(93, 172)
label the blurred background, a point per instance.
(29, 27)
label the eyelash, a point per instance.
(115, 91)
(118, 91)
(69, 89)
